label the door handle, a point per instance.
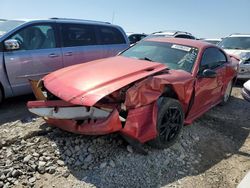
(68, 54)
(53, 55)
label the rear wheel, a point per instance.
(227, 93)
(169, 123)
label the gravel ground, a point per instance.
(213, 152)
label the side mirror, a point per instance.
(208, 73)
(11, 44)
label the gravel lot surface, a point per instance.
(212, 152)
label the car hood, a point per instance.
(87, 83)
(241, 54)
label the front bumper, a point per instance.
(77, 119)
(140, 123)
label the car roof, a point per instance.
(213, 39)
(132, 33)
(171, 33)
(182, 41)
(63, 20)
(239, 35)
(77, 20)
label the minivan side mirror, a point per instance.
(11, 44)
(208, 73)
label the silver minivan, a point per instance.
(34, 48)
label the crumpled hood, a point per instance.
(241, 54)
(87, 83)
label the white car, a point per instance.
(246, 91)
(135, 37)
(212, 41)
(172, 34)
(238, 45)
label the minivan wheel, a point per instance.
(169, 123)
(227, 93)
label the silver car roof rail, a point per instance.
(173, 31)
(74, 19)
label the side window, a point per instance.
(110, 35)
(212, 58)
(78, 35)
(36, 37)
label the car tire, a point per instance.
(169, 123)
(227, 94)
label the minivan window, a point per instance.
(7, 26)
(78, 35)
(36, 37)
(110, 35)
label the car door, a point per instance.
(79, 44)
(208, 90)
(111, 39)
(37, 56)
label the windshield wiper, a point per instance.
(146, 58)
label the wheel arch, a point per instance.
(169, 92)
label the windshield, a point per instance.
(7, 26)
(173, 55)
(241, 43)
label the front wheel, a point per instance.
(169, 123)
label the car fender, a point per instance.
(149, 90)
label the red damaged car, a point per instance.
(147, 93)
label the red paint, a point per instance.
(140, 126)
(56, 103)
(87, 83)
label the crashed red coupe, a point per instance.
(146, 93)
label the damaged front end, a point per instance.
(113, 113)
